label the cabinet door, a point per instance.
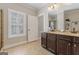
(75, 49)
(51, 42)
(43, 40)
(63, 47)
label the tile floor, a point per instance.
(32, 48)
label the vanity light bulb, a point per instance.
(51, 7)
(55, 5)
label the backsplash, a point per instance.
(73, 16)
(72, 26)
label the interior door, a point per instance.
(0, 29)
(32, 28)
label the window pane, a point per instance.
(13, 14)
(13, 21)
(20, 19)
(14, 18)
(13, 29)
(20, 29)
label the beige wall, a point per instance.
(18, 7)
(72, 15)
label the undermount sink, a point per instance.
(74, 32)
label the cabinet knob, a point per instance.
(75, 45)
(68, 44)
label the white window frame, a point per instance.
(10, 35)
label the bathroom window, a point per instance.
(16, 23)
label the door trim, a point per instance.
(1, 29)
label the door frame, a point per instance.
(2, 41)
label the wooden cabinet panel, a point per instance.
(51, 42)
(63, 47)
(75, 49)
(43, 39)
(65, 37)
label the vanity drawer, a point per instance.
(50, 35)
(76, 39)
(65, 37)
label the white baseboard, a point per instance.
(32, 40)
(39, 38)
(13, 45)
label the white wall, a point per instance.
(60, 19)
(46, 21)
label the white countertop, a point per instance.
(64, 33)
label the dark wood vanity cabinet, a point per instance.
(51, 42)
(43, 40)
(60, 44)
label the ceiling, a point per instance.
(65, 6)
(36, 6)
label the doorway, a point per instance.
(32, 28)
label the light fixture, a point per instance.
(52, 6)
